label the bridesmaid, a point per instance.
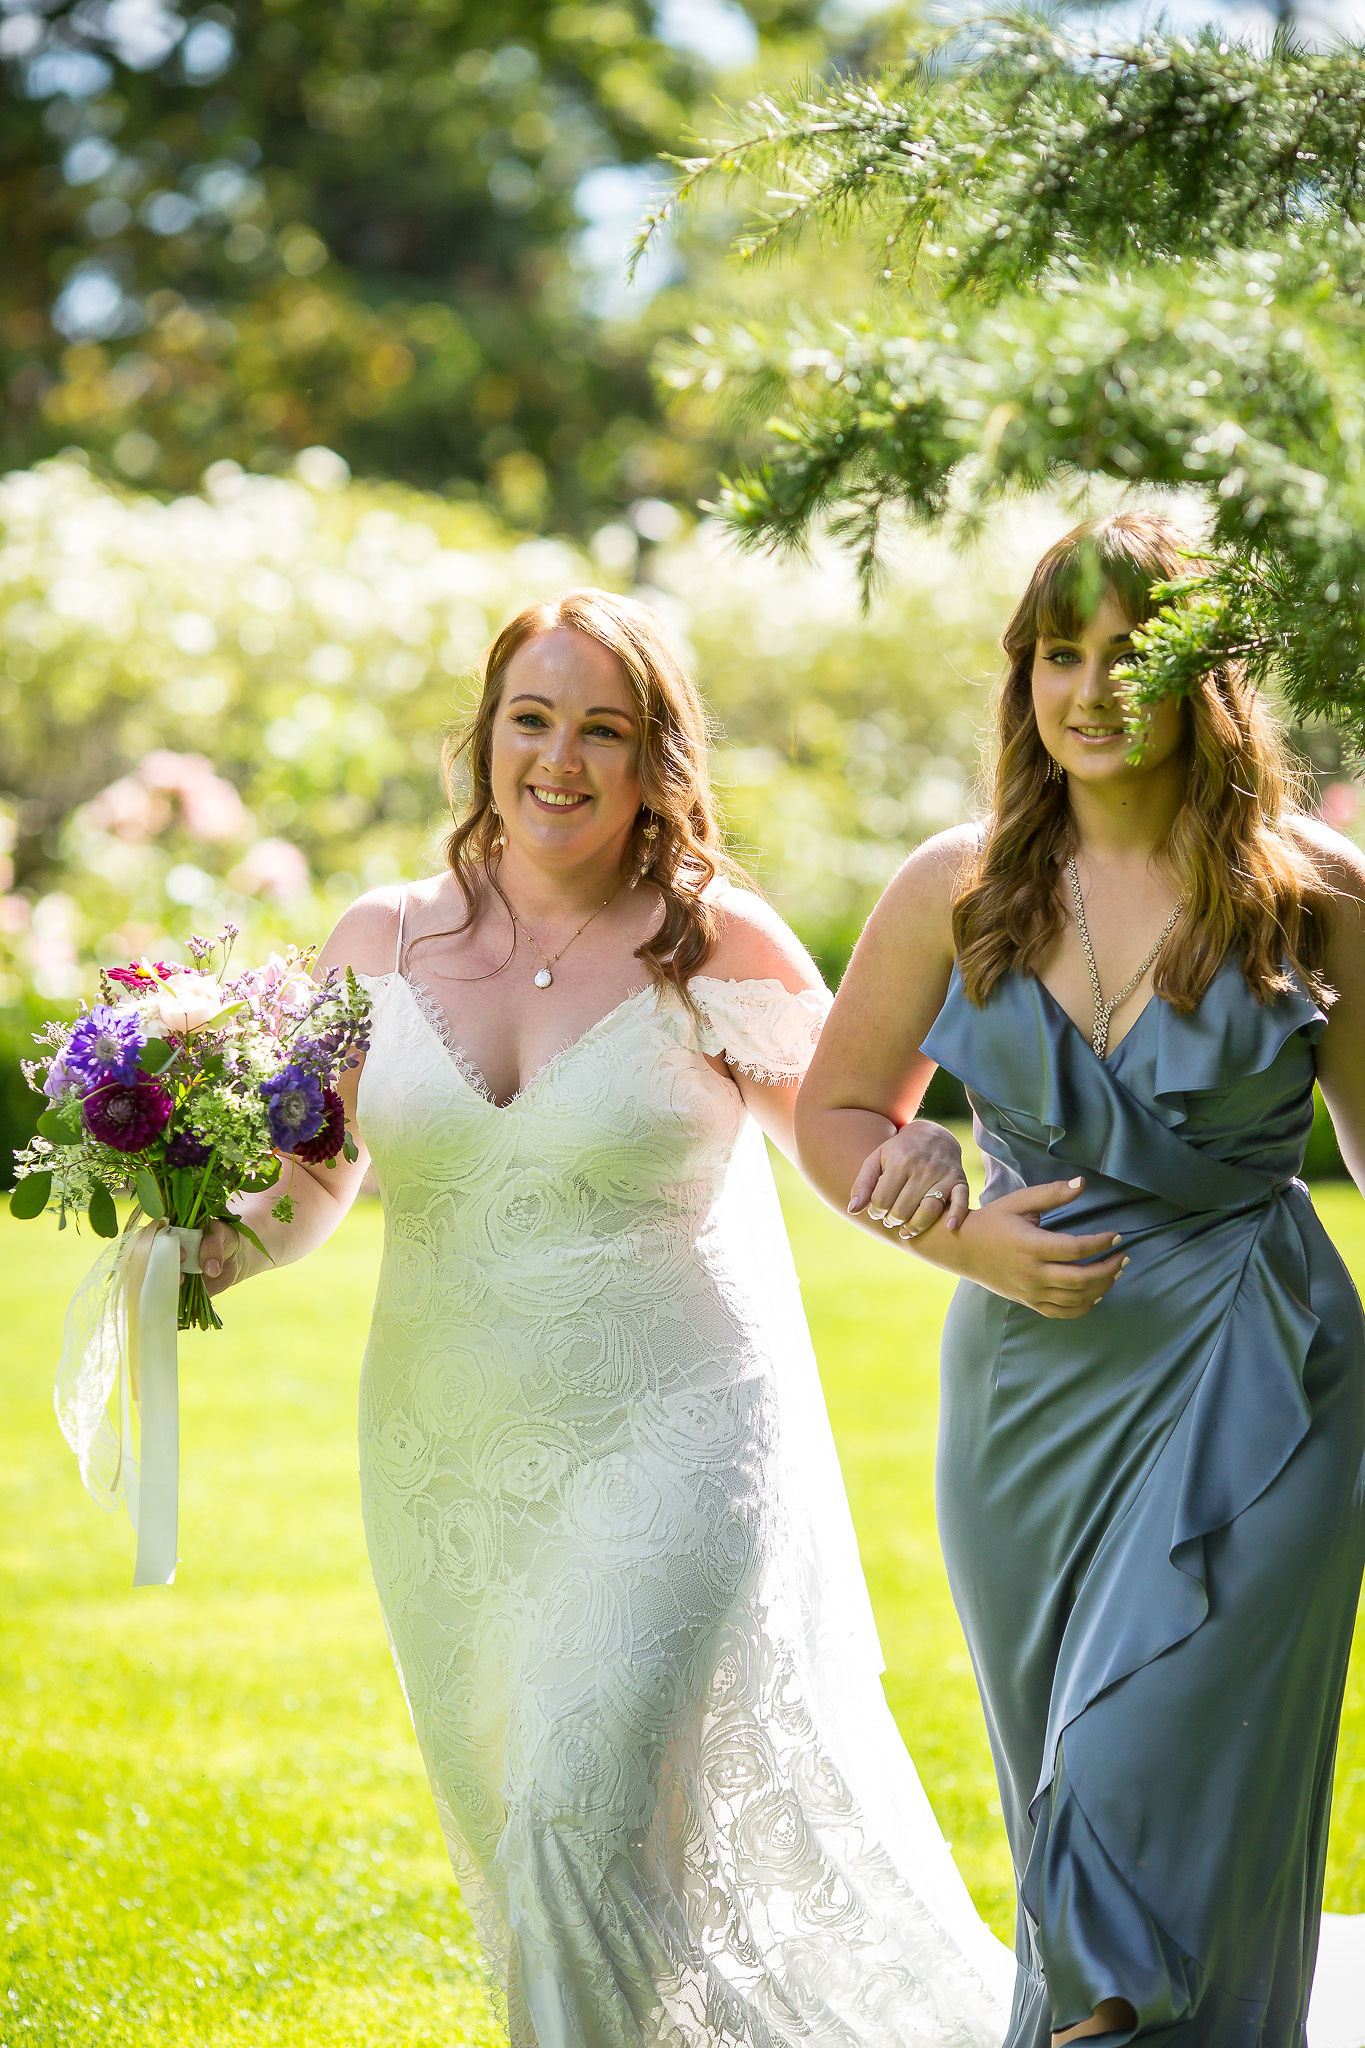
(1154, 1518)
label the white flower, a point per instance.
(185, 1002)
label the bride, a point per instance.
(601, 1497)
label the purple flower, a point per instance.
(294, 1106)
(104, 1046)
(128, 1118)
(60, 1082)
(186, 1148)
(328, 1142)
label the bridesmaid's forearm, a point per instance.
(831, 1145)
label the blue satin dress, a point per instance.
(1153, 1515)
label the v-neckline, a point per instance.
(1106, 1059)
(469, 1073)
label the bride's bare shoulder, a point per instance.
(753, 943)
(365, 936)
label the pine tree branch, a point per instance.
(1241, 379)
(1153, 270)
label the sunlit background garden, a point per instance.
(320, 359)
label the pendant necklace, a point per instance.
(1099, 1036)
(543, 977)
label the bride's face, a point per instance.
(566, 745)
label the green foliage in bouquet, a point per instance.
(1143, 264)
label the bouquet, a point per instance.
(182, 1088)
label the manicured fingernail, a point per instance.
(1123, 1263)
(876, 1214)
(906, 1235)
(1117, 1238)
(1079, 1182)
(212, 1268)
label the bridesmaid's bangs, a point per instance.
(687, 852)
(1248, 880)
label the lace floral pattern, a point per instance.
(615, 1558)
(761, 1028)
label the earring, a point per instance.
(1055, 770)
(649, 835)
(501, 840)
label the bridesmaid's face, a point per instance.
(565, 765)
(1079, 709)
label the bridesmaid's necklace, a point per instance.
(1099, 1036)
(543, 976)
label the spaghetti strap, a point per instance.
(402, 920)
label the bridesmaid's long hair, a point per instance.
(1245, 877)
(684, 850)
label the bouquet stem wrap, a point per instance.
(118, 1367)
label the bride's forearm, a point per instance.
(317, 1211)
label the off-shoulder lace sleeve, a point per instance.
(760, 1027)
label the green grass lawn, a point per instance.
(214, 1828)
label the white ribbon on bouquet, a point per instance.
(118, 1369)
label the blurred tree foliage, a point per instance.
(232, 705)
(1144, 264)
(240, 230)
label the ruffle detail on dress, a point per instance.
(1073, 1889)
(1016, 1072)
(1227, 1039)
(1038, 1078)
(1247, 1415)
(766, 1031)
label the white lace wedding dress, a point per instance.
(616, 1561)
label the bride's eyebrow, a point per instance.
(594, 711)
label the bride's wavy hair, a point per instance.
(675, 840)
(1248, 883)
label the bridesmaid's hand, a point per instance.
(896, 1181)
(1003, 1248)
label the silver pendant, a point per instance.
(544, 978)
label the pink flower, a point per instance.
(129, 810)
(271, 868)
(133, 976)
(275, 989)
(210, 807)
(186, 1001)
(1339, 805)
